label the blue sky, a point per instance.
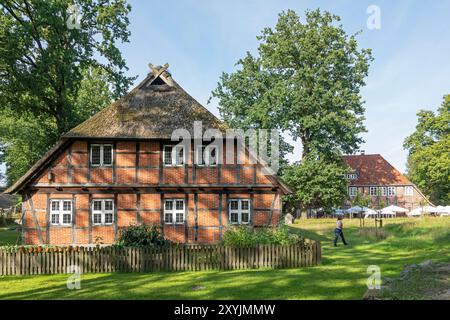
(202, 38)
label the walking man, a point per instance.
(338, 231)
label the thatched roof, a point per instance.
(153, 110)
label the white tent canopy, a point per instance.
(416, 212)
(393, 209)
(370, 212)
(357, 209)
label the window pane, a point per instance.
(234, 217)
(67, 218)
(168, 155)
(168, 205)
(97, 218)
(168, 218)
(200, 155)
(244, 204)
(107, 155)
(108, 218)
(179, 218)
(180, 205)
(55, 205)
(95, 155)
(97, 205)
(180, 155)
(108, 205)
(212, 159)
(245, 217)
(234, 205)
(55, 218)
(67, 206)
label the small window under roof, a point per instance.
(158, 82)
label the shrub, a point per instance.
(141, 236)
(246, 237)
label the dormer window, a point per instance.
(101, 155)
(351, 176)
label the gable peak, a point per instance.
(160, 75)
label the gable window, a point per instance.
(373, 191)
(391, 191)
(173, 155)
(61, 212)
(206, 155)
(409, 191)
(239, 211)
(174, 211)
(101, 155)
(352, 191)
(351, 176)
(102, 212)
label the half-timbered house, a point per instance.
(121, 167)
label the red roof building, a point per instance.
(374, 176)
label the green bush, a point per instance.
(141, 236)
(246, 237)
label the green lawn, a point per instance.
(342, 274)
(7, 236)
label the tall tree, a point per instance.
(429, 157)
(25, 137)
(305, 81)
(316, 183)
(44, 52)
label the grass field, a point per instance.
(342, 274)
(7, 236)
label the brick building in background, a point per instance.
(375, 177)
(120, 167)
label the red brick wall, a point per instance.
(209, 213)
(400, 199)
(72, 167)
(138, 164)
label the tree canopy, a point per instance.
(54, 73)
(317, 183)
(305, 81)
(428, 163)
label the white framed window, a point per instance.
(373, 191)
(174, 211)
(102, 211)
(351, 176)
(352, 191)
(173, 155)
(239, 211)
(101, 155)
(409, 191)
(383, 191)
(206, 155)
(61, 212)
(391, 191)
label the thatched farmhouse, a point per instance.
(120, 168)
